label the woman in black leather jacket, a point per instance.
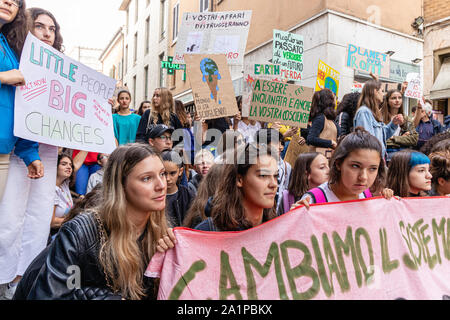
(103, 254)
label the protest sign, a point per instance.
(327, 78)
(211, 84)
(252, 71)
(357, 87)
(361, 249)
(214, 33)
(63, 103)
(281, 102)
(415, 88)
(288, 52)
(294, 150)
(367, 61)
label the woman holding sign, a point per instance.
(369, 116)
(16, 251)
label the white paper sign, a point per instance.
(64, 103)
(214, 33)
(415, 88)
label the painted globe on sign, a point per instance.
(331, 84)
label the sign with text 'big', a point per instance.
(63, 103)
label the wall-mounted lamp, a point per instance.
(417, 22)
(416, 60)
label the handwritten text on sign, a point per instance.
(414, 89)
(281, 102)
(368, 61)
(63, 103)
(368, 249)
(288, 52)
(214, 33)
(328, 78)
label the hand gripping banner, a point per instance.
(365, 249)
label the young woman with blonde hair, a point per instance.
(161, 112)
(113, 245)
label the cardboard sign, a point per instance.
(371, 249)
(367, 61)
(415, 88)
(211, 84)
(214, 33)
(64, 103)
(294, 150)
(327, 78)
(281, 102)
(252, 71)
(288, 52)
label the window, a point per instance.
(135, 47)
(136, 11)
(148, 2)
(147, 35)
(204, 5)
(125, 60)
(176, 11)
(163, 19)
(134, 89)
(161, 70)
(146, 82)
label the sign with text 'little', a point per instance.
(63, 103)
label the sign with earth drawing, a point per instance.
(211, 84)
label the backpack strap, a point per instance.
(318, 195)
(288, 200)
(368, 194)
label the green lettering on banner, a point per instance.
(387, 264)
(431, 260)
(196, 267)
(341, 274)
(249, 261)
(440, 230)
(227, 275)
(321, 267)
(304, 269)
(363, 232)
(347, 247)
(257, 86)
(409, 262)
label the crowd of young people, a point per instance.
(109, 214)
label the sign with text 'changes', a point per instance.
(63, 103)
(372, 249)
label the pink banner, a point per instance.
(365, 249)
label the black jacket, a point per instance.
(344, 122)
(141, 134)
(51, 275)
(178, 207)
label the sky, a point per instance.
(87, 23)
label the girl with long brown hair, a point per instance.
(246, 198)
(161, 112)
(406, 135)
(112, 246)
(368, 114)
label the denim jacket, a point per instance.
(28, 151)
(364, 118)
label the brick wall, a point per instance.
(436, 10)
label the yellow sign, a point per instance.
(328, 78)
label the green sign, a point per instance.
(171, 67)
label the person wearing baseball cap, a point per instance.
(159, 136)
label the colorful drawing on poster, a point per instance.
(328, 78)
(211, 84)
